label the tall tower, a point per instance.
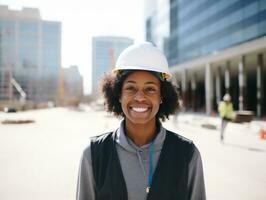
(105, 51)
(30, 51)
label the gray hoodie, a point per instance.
(134, 163)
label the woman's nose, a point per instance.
(139, 96)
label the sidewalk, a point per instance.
(234, 169)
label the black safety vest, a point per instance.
(170, 179)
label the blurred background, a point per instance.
(53, 54)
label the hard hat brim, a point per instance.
(166, 75)
(159, 75)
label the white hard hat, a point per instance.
(227, 97)
(143, 56)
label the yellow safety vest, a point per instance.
(226, 110)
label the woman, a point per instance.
(141, 159)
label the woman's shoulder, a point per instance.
(180, 144)
(101, 137)
(96, 139)
(178, 137)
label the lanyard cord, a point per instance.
(150, 167)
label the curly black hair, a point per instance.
(111, 86)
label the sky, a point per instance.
(83, 19)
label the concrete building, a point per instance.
(73, 85)
(213, 47)
(30, 54)
(105, 51)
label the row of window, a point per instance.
(24, 27)
(223, 18)
(255, 20)
(207, 46)
(220, 6)
(184, 4)
(194, 9)
(219, 26)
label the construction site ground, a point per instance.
(40, 160)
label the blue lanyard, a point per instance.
(150, 167)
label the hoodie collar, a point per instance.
(126, 143)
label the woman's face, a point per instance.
(140, 97)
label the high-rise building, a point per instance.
(105, 51)
(30, 54)
(213, 48)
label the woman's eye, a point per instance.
(150, 90)
(130, 88)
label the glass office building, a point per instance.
(50, 60)
(199, 33)
(105, 51)
(30, 53)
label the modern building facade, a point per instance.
(105, 51)
(213, 47)
(30, 53)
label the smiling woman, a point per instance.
(141, 159)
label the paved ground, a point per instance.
(39, 161)
(236, 169)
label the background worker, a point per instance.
(226, 113)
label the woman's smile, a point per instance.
(139, 112)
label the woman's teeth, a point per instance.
(139, 109)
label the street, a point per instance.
(39, 161)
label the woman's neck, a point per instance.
(140, 134)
